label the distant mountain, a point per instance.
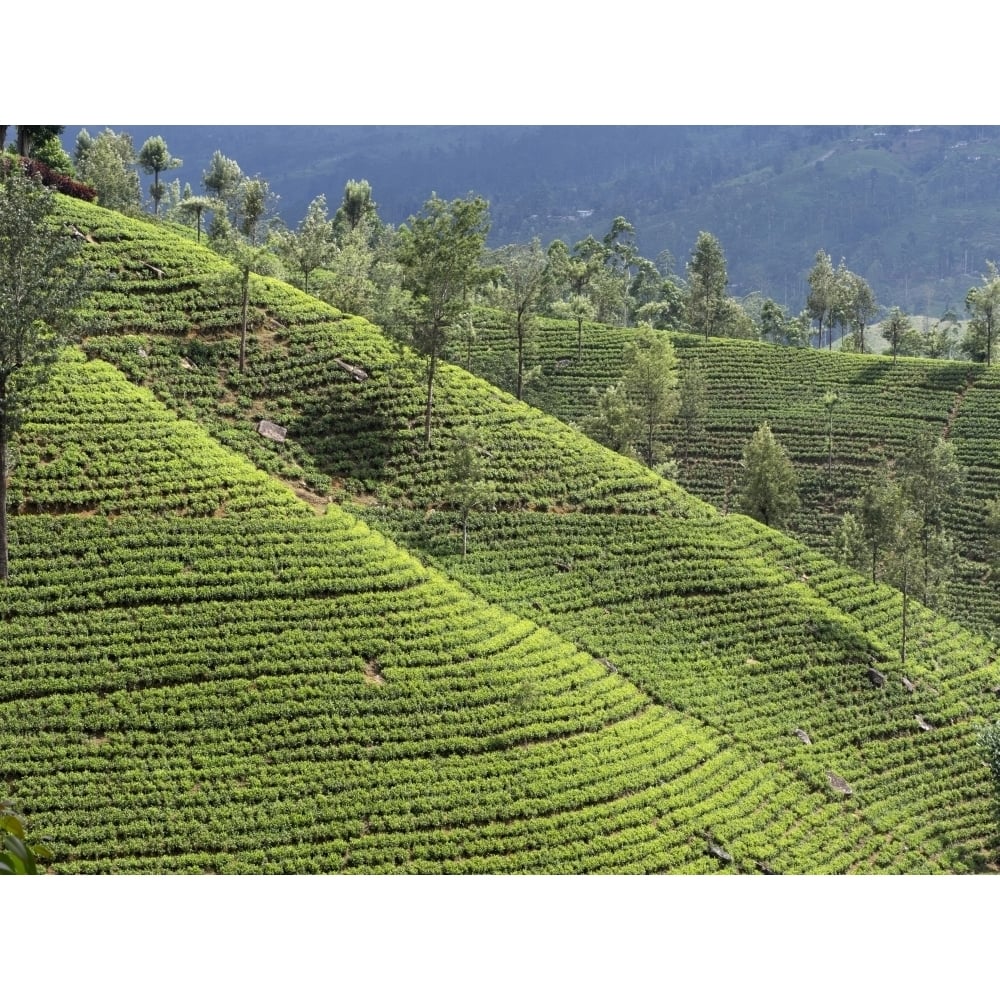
(915, 209)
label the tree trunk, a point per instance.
(579, 339)
(431, 368)
(243, 337)
(520, 354)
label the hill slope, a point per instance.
(611, 681)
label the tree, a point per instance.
(983, 304)
(707, 281)
(932, 482)
(650, 382)
(615, 422)
(155, 159)
(30, 136)
(253, 203)
(468, 488)
(41, 282)
(222, 181)
(440, 251)
(693, 402)
(856, 304)
(821, 301)
(107, 165)
(197, 205)
(581, 309)
(356, 206)
(311, 246)
(895, 330)
(522, 272)
(769, 491)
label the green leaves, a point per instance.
(17, 856)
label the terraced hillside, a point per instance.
(206, 675)
(882, 407)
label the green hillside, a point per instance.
(203, 675)
(882, 408)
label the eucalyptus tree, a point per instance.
(822, 298)
(856, 304)
(41, 282)
(440, 251)
(895, 330)
(693, 402)
(521, 272)
(155, 159)
(254, 204)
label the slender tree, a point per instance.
(830, 400)
(222, 181)
(440, 251)
(468, 487)
(155, 159)
(197, 205)
(821, 301)
(41, 282)
(522, 271)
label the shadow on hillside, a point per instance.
(352, 433)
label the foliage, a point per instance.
(983, 304)
(41, 283)
(468, 487)
(311, 246)
(106, 163)
(57, 181)
(768, 491)
(18, 855)
(222, 179)
(522, 273)
(650, 382)
(440, 251)
(155, 159)
(356, 207)
(693, 402)
(707, 281)
(197, 205)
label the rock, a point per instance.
(909, 685)
(838, 784)
(923, 723)
(358, 374)
(273, 432)
(876, 677)
(718, 852)
(608, 665)
(804, 736)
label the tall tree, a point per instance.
(440, 251)
(155, 159)
(769, 491)
(29, 136)
(983, 303)
(821, 301)
(830, 400)
(707, 281)
(522, 272)
(356, 206)
(856, 304)
(614, 422)
(650, 382)
(311, 246)
(895, 330)
(41, 282)
(222, 181)
(107, 164)
(253, 206)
